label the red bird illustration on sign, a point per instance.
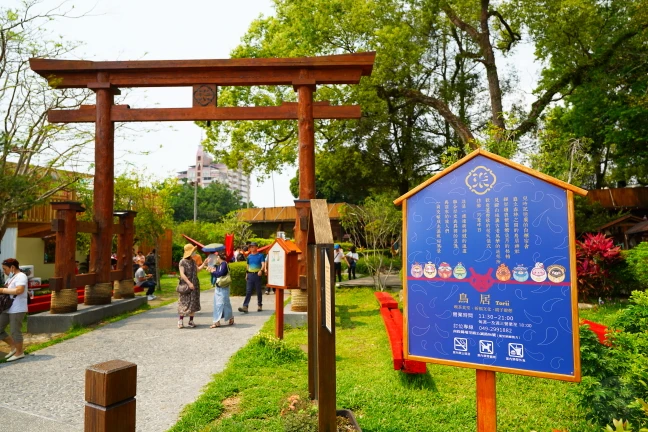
(481, 283)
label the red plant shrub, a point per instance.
(595, 256)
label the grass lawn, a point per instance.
(604, 314)
(251, 392)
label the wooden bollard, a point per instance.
(110, 389)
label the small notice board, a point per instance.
(489, 270)
(282, 264)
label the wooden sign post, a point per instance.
(489, 274)
(283, 273)
(110, 390)
(321, 316)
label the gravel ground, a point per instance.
(45, 390)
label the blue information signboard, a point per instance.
(489, 270)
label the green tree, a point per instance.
(133, 191)
(438, 87)
(344, 176)
(377, 224)
(213, 202)
(151, 201)
(609, 115)
(400, 140)
(31, 153)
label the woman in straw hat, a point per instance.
(189, 302)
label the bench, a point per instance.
(393, 319)
(43, 302)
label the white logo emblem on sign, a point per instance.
(461, 344)
(486, 347)
(516, 350)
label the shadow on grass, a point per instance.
(418, 381)
(346, 317)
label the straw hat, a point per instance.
(188, 250)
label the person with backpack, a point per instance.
(351, 260)
(16, 288)
(222, 304)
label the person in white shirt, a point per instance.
(15, 286)
(351, 259)
(338, 254)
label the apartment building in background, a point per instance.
(205, 171)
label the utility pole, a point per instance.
(195, 199)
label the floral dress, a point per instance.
(189, 302)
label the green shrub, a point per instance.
(237, 272)
(614, 375)
(637, 261)
(634, 318)
(176, 255)
(261, 242)
(361, 265)
(277, 350)
(346, 246)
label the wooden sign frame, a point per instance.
(321, 338)
(487, 180)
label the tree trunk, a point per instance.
(494, 89)
(4, 221)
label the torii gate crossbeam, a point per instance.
(204, 76)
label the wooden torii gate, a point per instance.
(203, 76)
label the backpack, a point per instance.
(240, 257)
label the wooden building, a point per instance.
(266, 222)
(618, 230)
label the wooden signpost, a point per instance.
(282, 274)
(489, 274)
(321, 316)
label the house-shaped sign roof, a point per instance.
(496, 158)
(489, 269)
(288, 246)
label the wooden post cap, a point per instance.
(110, 382)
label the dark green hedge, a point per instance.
(237, 270)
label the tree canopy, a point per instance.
(213, 202)
(31, 149)
(438, 86)
(606, 117)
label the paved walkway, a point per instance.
(45, 390)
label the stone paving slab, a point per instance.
(45, 390)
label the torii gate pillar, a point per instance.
(306, 135)
(103, 193)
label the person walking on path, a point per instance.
(256, 266)
(143, 280)
(222, 304)
(338, 254)
(15, 286)
(351, 260)
(188, 302)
